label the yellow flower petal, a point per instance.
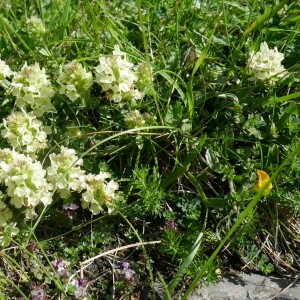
(263, 179)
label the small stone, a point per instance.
(249, 287)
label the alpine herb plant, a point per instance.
(266, 64)
(143, 145)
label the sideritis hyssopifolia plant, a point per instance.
(5, 71)
(25, 133)
(32, 88)
(74, 80)
(117, 77)
(266, 64)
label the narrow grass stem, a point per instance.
(189, 259)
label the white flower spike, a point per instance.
(266, 64)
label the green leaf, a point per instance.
(200, 61)
(216, 202)
(173, 115)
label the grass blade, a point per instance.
(184, 166)
(200, 60)
(173, 82)
(65, 18)
(186, 263)
(282, 99)
(266, 16)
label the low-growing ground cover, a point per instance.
(146, 146)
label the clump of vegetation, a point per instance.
(140, 139)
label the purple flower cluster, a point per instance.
(171, 224)
(37, 292)
(33, 246)
(79, 286)
(61, 267)
(129, 275)
(69, 210)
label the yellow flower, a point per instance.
(263, 180)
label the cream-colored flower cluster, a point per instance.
(117, 77)
(120, 79)
(36, 27)
(24, 132)
(99, 193)
(5, 214)
(25, 180)
(145, 78)
(32, 88)
(33, 92)
(27, 184)
(7, 229)
(266, 64)
(7, 232)
(65, 173)
(135, 119)
(5, 71)
(74, 80)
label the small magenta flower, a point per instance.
(171, 224)
(61, 267)
(70, 209)
(128, 274)
(78, 286)
(33, 247)
(37, 292)
(263, 180)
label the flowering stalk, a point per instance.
(117, 77)
(266, 64)
(99, 193)
(135, 119)
(32, 88)
(65, 173)
(5, 71)
(25, 180)
(74, 80)
(36, 28)
(24, 132)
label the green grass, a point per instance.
(184, 172)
